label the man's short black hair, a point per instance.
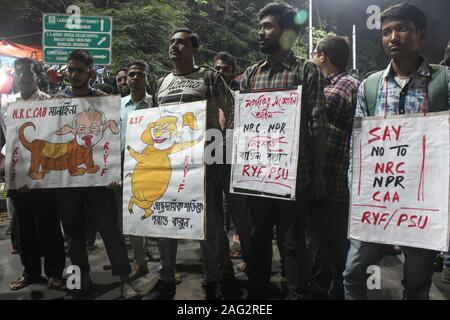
(337, 50)
(36, 67)
(446, 61)
(227, 58)
(195, 40)
(82, 56)
(30, 62)
(285, 13)
(120, 70)
(404, 12)
(140, 63)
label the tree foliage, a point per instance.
(142, 28)
(300, 47)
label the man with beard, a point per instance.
(75, 203)
(282, 70)
(189, 83)
(38, 224)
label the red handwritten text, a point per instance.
(29, 113)
(385, 134)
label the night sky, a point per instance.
(344, 12)
(349, 12)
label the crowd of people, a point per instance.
(317, 259)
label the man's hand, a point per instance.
(115, 185)
(24, 189)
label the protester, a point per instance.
(136, 81)
(281, 69)
(75, 203)
(234, 205)
(329, 215)
(195, 84)
(37, 220)
(121, 83)
(403, 31)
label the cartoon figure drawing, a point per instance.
(153, 163)
(88, 128)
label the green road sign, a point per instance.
(59, 55)
(63, 33)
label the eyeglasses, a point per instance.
(138, 74)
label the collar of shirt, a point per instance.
(333, 78)
(285, 61)
(424, 70)
(129, 100)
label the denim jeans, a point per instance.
(417, 270)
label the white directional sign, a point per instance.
(62, 33)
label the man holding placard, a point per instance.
(99, 202)
(281, 70)
(190, 83)
(405, 173)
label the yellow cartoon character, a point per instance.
(153, 170)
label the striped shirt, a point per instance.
(287, 73)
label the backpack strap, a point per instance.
(158, 85)
(208, 77)
(371, 89)
(438, 88)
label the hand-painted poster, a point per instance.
(60, 143)
(400, 183)
(163, 184)
(265, 143)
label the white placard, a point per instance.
(400, 184)
(266, 143)
(60, 143)
(163, 185)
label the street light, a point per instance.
(310, 46)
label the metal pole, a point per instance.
(354, 47)
(310, 46)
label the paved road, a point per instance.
(189, 265)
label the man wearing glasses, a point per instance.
(75, 204)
